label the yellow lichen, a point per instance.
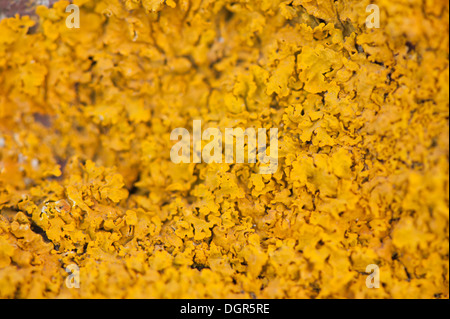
(86, 176)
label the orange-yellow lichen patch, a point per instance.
(86, 177)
